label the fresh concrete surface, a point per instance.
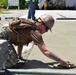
(61, 41)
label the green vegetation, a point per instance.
(3, 3)
(22, 4)
(4, 12)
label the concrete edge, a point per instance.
(65, 18)
(42, 71)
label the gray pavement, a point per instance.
(13, 13)
(61, 41)
(55, 13)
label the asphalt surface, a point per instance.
(61, 41)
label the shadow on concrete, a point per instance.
(36, 64)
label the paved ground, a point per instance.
(55, 13)
(61, 41)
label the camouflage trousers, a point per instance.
(3, 33)
(12, 57)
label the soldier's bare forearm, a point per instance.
(54, 57)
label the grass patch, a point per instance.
(4, 12)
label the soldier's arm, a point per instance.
(51, 55)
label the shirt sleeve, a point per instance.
(37, 38)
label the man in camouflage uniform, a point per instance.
(23, 35)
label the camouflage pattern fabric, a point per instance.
(12, 57)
